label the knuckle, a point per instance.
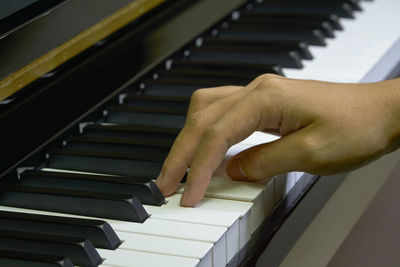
(199, 98)
(271, 83)
(271, 86)
(199, 93)
(267, 76)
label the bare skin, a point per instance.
(325, 127)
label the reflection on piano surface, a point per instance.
(87, 197)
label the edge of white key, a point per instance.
(131, 258)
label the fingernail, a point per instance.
(234, 170)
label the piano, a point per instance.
(85, 130)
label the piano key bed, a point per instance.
(93, 200)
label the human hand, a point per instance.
(325, 127)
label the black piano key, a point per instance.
(149, 117)
(195, 82)
(291, 59)
(148, 109)
(202, 79)
(113, 166)
(144, 189)
(165, 102)
(103, 205)
(132, 133)
(321, 7)
(257, 46)
(325, 26)
(355, 4)
(243, 77)
(78, 250)
(249, 70)
(107, 140)
(12, 258)
(128, 130)
(160, 98)
(145, 154)
(214, 72)
(332, 19)
(98, 232)
(108, 147)
(184, 90)
(273, 33)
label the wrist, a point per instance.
(392, 104)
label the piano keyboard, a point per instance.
(93, 201)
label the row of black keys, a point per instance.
(266, 37)
(40, 240)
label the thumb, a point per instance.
(270, 159)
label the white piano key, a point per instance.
(224, 188)
(217, 258)
(255, 138)
(283, 184)
(290, 182)
(173, 211)
(76, 172)
(174, 229)
(355, 51)
(215, 204)
(166, 245)
(224, 207)
(207, 260)
(228, 219)
(298, 175)
(268, 198)
(261, 195)
(163, 228)
(131, 258)
(280, 187)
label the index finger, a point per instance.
(182, 151)
(234, 126)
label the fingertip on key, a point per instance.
(189, 199)
(185, 199)
(161, 185)
(160, 182)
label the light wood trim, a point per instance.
(74, 46)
